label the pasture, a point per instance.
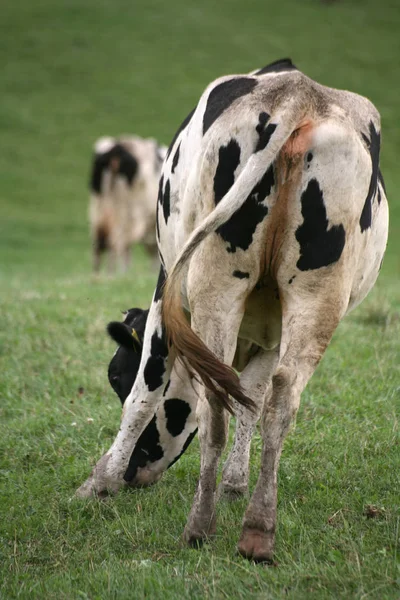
(72, 71)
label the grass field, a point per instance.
(71, 71)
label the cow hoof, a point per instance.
(257, 545)
(230, 493)
(90, 489)
(87, 489)
(196, 534)
(194, 540)
(98, 484)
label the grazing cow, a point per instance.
(272, 225)
(122, 209)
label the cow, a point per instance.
(123, 194)
(272, 224)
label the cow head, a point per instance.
(144, 463)
(125, 363)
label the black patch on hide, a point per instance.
(223, 95)
(176, 413)
(319, 246)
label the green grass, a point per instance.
(72, 71)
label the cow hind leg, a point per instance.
(113, 259)
(126, 258)
(100, 245)
(256, 381)
(212, 432)
(216, 320)
(306, 332)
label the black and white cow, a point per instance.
(123, 190)
(272, 225)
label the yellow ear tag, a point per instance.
(136, 337)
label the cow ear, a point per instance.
(124, 335)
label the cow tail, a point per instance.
(218, 377)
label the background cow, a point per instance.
(123, 185)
